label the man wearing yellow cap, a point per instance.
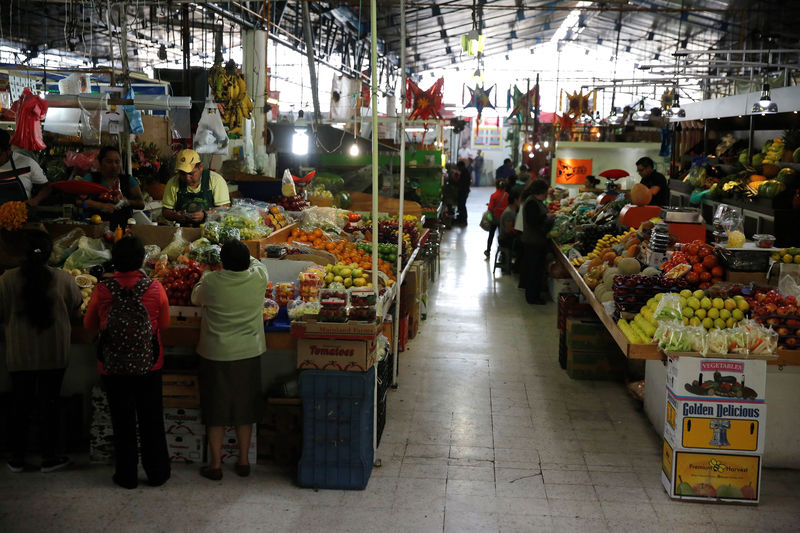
(193, 191)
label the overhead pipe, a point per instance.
(312, 71)
(373, 21)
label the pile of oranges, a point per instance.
(345, 252)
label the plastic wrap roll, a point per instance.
(90, 102)
(161, 101)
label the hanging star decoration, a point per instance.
(523, 105)
(479, 98)
(424, 105)
(578, 104)
(667, 99)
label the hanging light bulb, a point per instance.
(354, 151)
(530, 155)
(614, 119)
(538, 147)
(300, 136)
(641, 115)
(546, 144)
(765, 105)
(527, 147)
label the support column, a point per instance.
(254, 70)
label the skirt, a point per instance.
(230, 391)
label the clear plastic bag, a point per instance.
(738, 341)
(211, 137)
(269, 310)
(151, 255)
(717, 342)
(287, 184)
(229, 233)
(90, 252)
(64, 246)
(669, 308)
(760, 339)
(299, 308)
(211, 231)
(177, 246)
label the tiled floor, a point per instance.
(485, 433)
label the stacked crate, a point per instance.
(592, 352)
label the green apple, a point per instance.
(713, 313)
(738, 298)
(724, 314)
(338, 279)
(686, 293)
(737, 315)
(694, 321)
(731, 322)
(652, 302)
(693, 302)
(685, 321)
(700, 313)
(743, 306)
(699, 294)
(357, 272)
(705, 303)
(688, 312)
(659, 296)
(719, 323)
(719, 303)
(708, 323)
(730, 304)
(683, 301)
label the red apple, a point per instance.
(783, 310)
(774, 321)
(691, 249)
(760, 297)
(784, 331)
(770, 307)
(791, 300)
(791, 341)
(793, 323)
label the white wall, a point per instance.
(605, 156)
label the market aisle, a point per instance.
(485, 433)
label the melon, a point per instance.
(629, 266)
(607, 296)
(608, 275)
(640, 195)
(651, 271)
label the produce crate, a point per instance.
(606, 365)
(583, 334)
(280, 432)
(180, 390)
(569, 305)
(337, 429)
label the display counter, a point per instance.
(782, 439)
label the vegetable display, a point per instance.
(13, 215)
(180, 281)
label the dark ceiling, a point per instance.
(649, 31)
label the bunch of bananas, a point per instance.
(608, 240)
(230, 91)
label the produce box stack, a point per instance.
(569, 306)
(280, 432)
(591, 352)
(186, 434)
(714, 429)
(230, 446)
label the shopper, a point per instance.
(508, 237)
(536, 223)
(477, 168)
(498, 202)
(36, 305)
(655, 181)
(462, 182)
(230, 346)
(194, 192)
(506, 172)
(125, 194)
(130, 310)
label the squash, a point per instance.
(755, 178)
(787, 176)
(640, 195)
(770, 188)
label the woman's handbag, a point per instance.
(486, 220)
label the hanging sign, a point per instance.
(573, 171)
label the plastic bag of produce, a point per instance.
(675, 338)
(269, 310)
(738, 340)
(698, 339)
(327, 218)
(211, 137)
(229, 233)
(177, 246)
(64, 246)
(669, 308)
(89, 252)
(151, 255)
(287, 184)
(760, 339)
(211, 231)
(298, 308)
(717, 342)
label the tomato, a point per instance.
(692, 277)
(691, 249)
(698, 267)
(710, 261)
(693, 259)
(717, 272)
(705, 276)
(703, 251)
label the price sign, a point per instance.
(573, 171)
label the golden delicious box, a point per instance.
(711, 476)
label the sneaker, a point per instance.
(57, 463)
(16, 465)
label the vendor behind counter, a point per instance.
(124, 194)
(19, 175)
(194, 192)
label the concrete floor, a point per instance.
(485, 433)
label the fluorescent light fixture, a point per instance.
(765, 105)
(300, 137)
(614, 119)
(415, 130)
(569, 22)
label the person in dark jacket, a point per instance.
(537, 221)
(462, 182)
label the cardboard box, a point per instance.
(183, 421)
(280, 432)
(230, 446)
(186, 448)
(184, 316)
(745, 278)
(711, 476)
(180, 390)
(310, 327)
(740, 380)
(557, 286)
(587, 334)
(334, 354)
(595, 364)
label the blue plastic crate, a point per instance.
(337, 429)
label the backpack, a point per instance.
(128, 345)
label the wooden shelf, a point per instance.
(785, 357)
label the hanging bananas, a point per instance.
(229, 90)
